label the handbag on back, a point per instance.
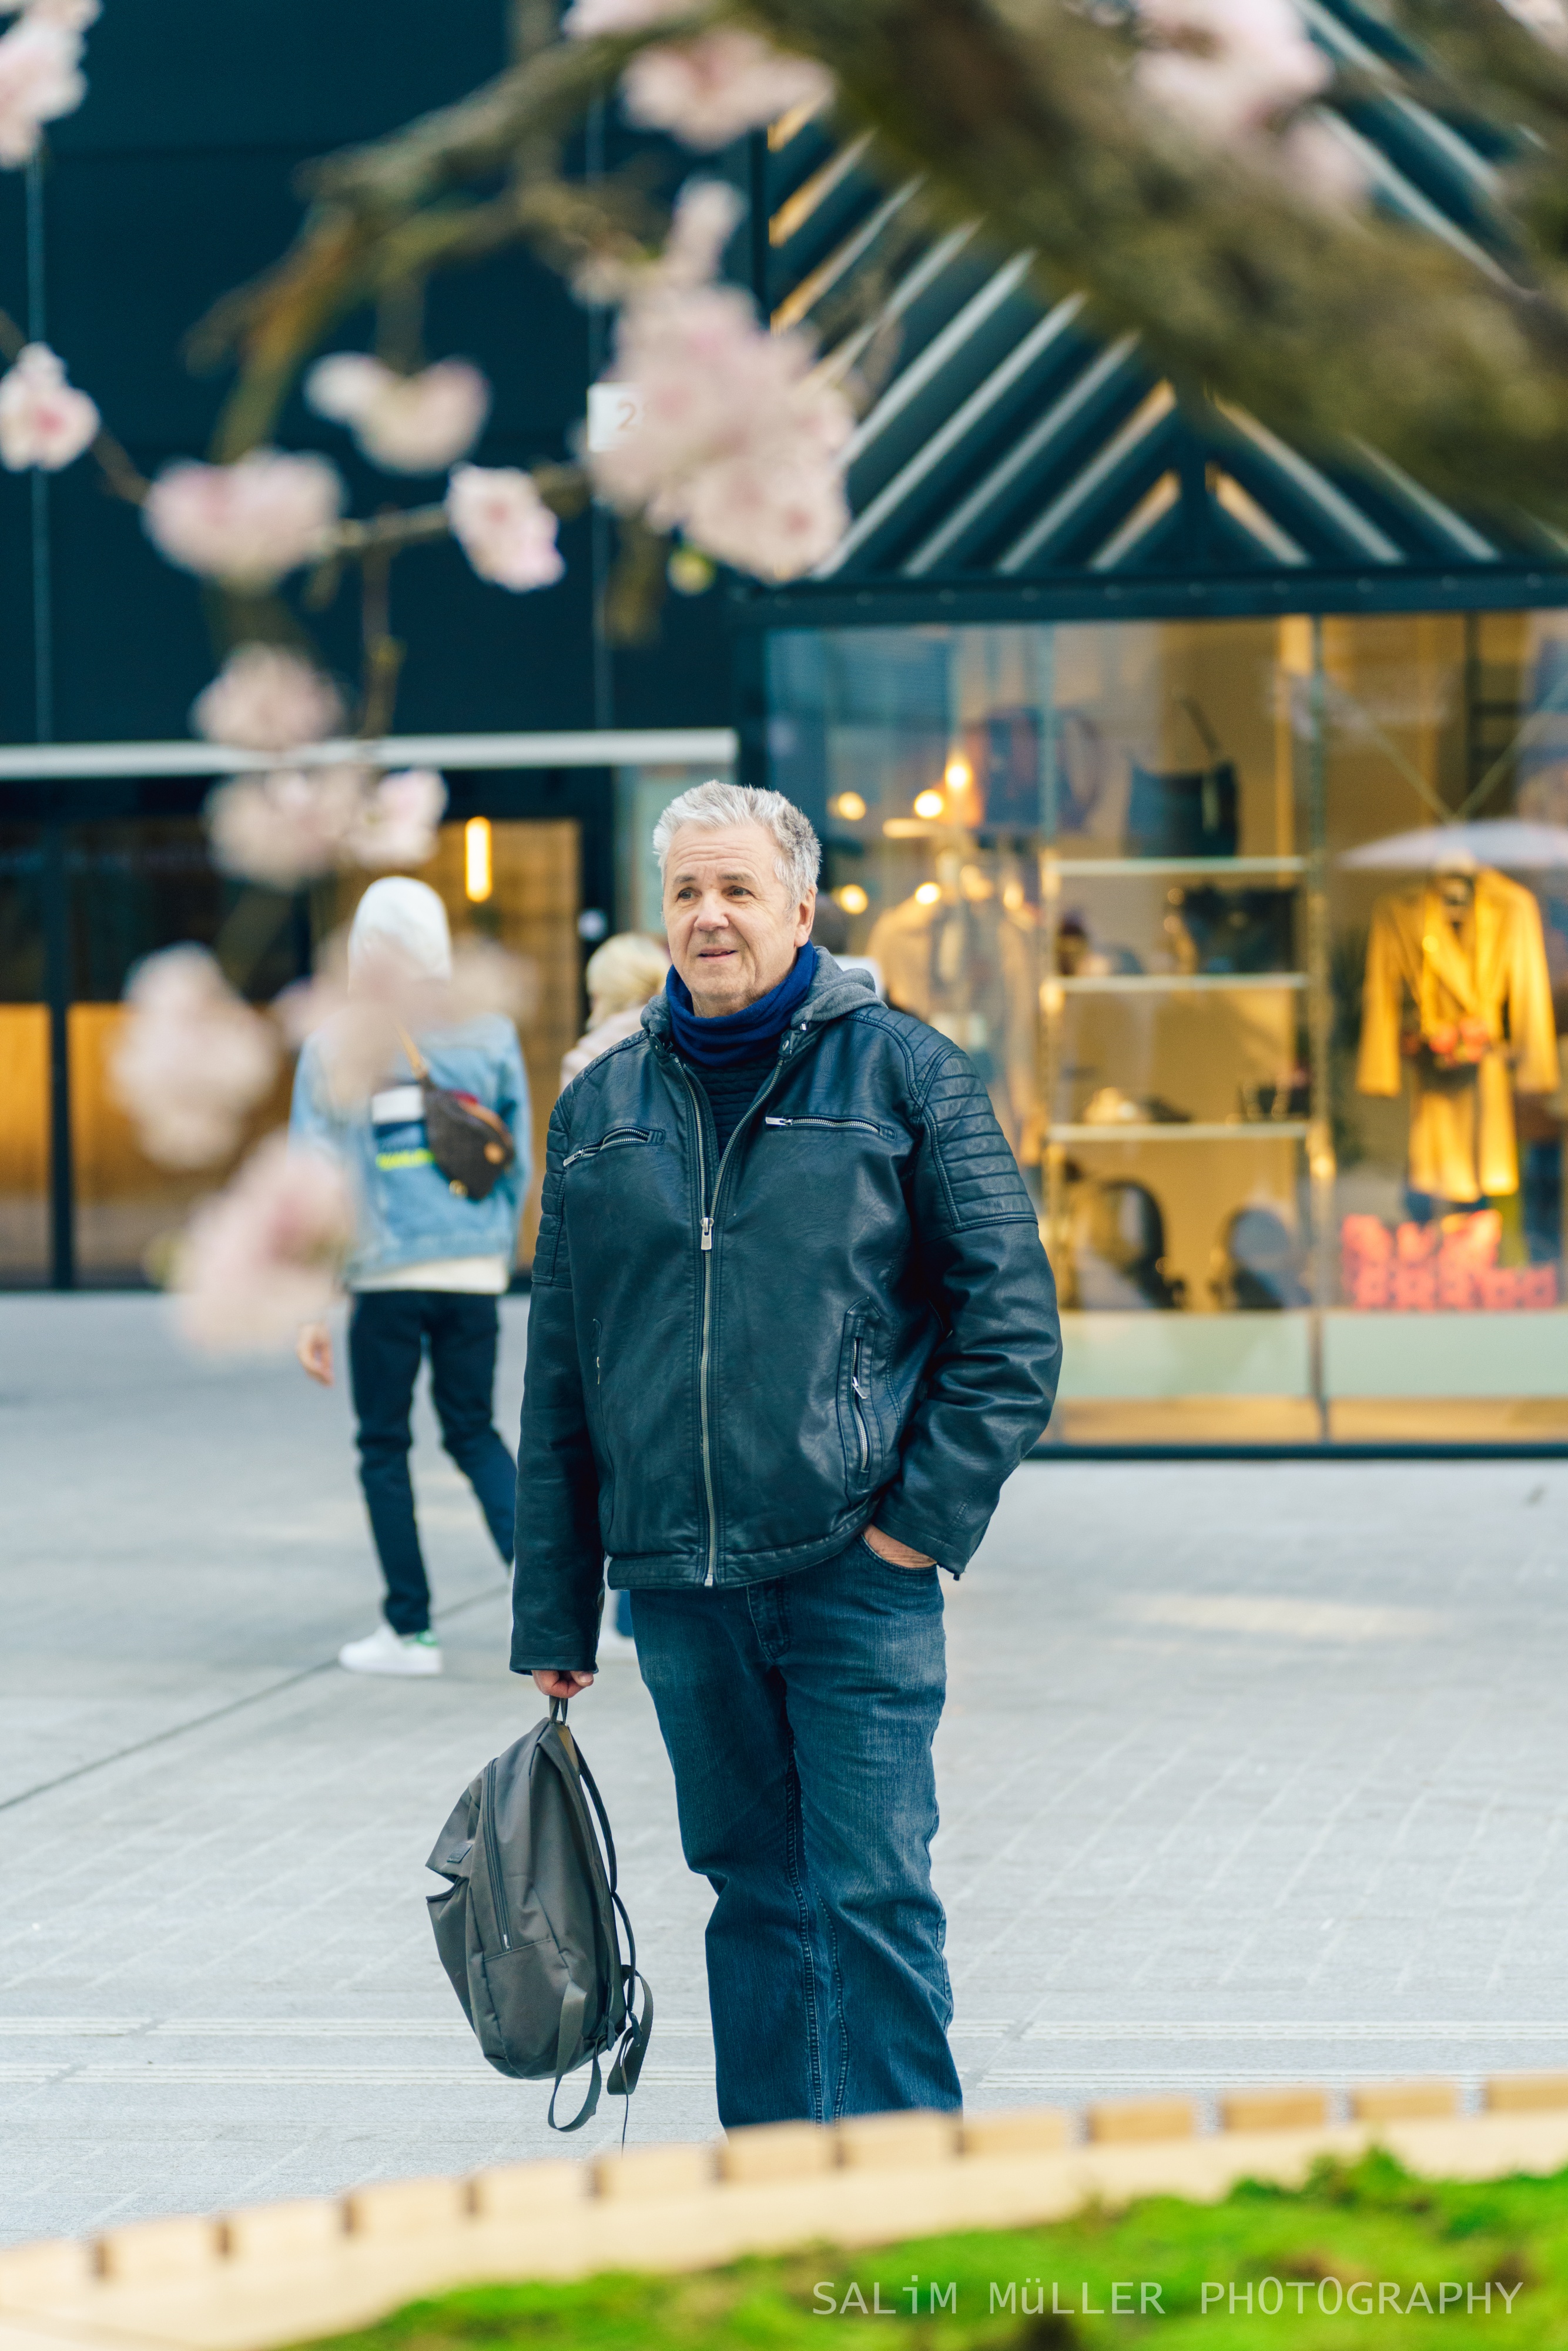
(470, 1144)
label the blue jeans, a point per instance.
(388, 1331)
(799, 1716)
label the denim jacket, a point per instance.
(404, 1209)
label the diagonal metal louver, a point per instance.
(1004, 443)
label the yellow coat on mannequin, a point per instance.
(1489, 970)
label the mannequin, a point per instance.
(1457, 983)
(964, 963)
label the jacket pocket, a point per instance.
(849, 1125)
(616, 1137)
(860, 1417)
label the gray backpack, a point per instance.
(530, 1930)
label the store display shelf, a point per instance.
(1100, 868)
(1166, 983)
(1250, 1130)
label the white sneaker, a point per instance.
(386, 1651)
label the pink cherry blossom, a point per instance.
(1318, 164)
(285, 828)
(192, 1059)
(408, 424)
(266, 698)
(355, 1036)
(1225, 66)
(38, 80)
(710, 90)
(486, 979)
(1547, 19)
(249, 523)
(504, 527)
(776, 516)
(398, 820)
(72, 15)
(43, 421)
(738, 443)
(344, 384)
(263, 1256)
(707, 217)
(589, 20)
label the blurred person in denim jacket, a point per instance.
(428, 1264)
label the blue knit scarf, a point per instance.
(744, 1036)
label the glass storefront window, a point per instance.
(23, 1061)
(1283, 1081)
(137, 885)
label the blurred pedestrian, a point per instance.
(429, 1261)
(622, 976)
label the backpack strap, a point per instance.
(591, 1785)
(572, 2009)
(627, 2063)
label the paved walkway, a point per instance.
(1249, 1774)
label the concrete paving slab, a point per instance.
(1251, 1773)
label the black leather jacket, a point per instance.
(732, 1368)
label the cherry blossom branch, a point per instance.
(121, 475)
(343, 260)
(549, 91)
(1330, 326)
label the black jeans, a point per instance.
(389, 1331)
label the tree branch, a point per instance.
(1328, 326)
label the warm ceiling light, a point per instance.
(928, 804)
(853, 898)
(957, 775)
(929, 893)
(479, 879)
(850, 806)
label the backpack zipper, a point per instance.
(706, 1251)
(493, 1855)
(858, 1396)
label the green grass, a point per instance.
(1365, 2227)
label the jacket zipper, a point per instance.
(859, 1394)
(607, 1142)
(709, 1212)
(863, 1125)
(493, 1855)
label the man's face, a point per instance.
(732, 926)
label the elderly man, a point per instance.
(791, 1328)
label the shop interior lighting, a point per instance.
(929, 804)
(479, 879)
(929, 893)
(957, 775)
(850, 806)
(853, 898)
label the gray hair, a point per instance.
(713, 804)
